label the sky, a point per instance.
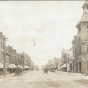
(52, 24)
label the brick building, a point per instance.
(27, 60)
(2, 51)
(80, 43)
(2, 47)
(11, 59)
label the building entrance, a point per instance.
(80, 67)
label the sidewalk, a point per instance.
(11, 74)
(73, 76)
(69, 73)
(7, 75)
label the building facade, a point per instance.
(80, 43)
(2, 47)
(27, 60)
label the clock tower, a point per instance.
(80, 42)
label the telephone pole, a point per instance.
(4, 63)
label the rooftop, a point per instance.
(84, 18)
(86, 3)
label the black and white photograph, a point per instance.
(44, 44)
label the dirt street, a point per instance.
(38, 79)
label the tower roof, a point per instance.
(83, 19)
(86, 3)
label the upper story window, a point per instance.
(73, 53)
(3, 45)
(87, 27)
(87, 7)
(87, 48)
(79, 39)
(80, 49)
(79, 30)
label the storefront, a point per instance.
(64, 68)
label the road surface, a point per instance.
(38, 79)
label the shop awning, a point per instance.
(29, 67)
(13, 65)
(70, 61)
(26, 66)
(20, 66)
(63, 65)
(9, 66)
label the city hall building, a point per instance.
(80, 43)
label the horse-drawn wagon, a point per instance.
(46, 70)
(18, 71)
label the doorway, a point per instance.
(80, 67)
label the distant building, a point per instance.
(11, 59)
(27, 60)
(67, 60)
(58, 63)
(11, 55)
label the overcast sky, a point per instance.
(50, 23)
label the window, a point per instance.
(87, 27)
(80, 49)
(87, 48)
(87, 7)
(87, 65)
(79, 39)
(73, 53)
(3, 45)
(79, 30)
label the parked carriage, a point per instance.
(45, 70)
(18, 71)
(53, 69)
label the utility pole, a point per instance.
(4, 69)
(23, 62)
(4, 63)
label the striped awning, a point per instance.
(26, 66)
(20, 66)
(9, 66)
(64, 65)
(13, 65)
